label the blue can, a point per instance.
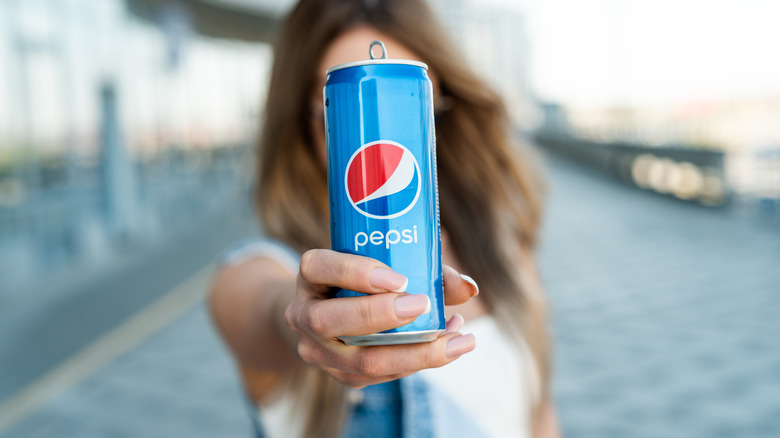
(382, 180)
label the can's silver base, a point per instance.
(393, 338)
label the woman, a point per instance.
(270, 298)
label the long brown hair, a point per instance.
(490, 195)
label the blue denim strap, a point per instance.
(377, 413)
(428, 412)
(416, 407)
(257, 425)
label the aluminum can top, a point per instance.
(381, 60)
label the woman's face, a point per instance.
(350, 46)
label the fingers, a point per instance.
(360, 381)
(400, 359)
(356, 316)
(458, 288)
(323, 268)
(320, 321)
(360, 366)
(454, 324)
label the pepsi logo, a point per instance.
(382, 180)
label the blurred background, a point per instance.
(126, 132)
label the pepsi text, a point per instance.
(392, 237)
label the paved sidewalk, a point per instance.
(51, 319)
(666, 319)
(180, 382)
(666, 315)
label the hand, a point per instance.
(319, 321)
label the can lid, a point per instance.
(381, 60)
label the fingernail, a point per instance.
(471, 281)
(454, 324)
(461, 344)
(450, 269)
(382, 278)
(411, 305)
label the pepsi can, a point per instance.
(382, 180)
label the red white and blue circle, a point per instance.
(382, 180)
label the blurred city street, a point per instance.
(664, 315)
(127, 166)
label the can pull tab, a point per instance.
(371, 49)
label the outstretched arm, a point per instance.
(275, 321)
(547, 427)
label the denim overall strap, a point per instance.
(428, 412)
(376, 412)
(257, 425)
(417, 413)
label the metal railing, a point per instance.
(690, 174)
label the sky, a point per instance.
(652, 52)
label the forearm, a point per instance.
(247, 304)
(547, 426)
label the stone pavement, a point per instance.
(665, 317)
(45, 323)
(178, 383)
